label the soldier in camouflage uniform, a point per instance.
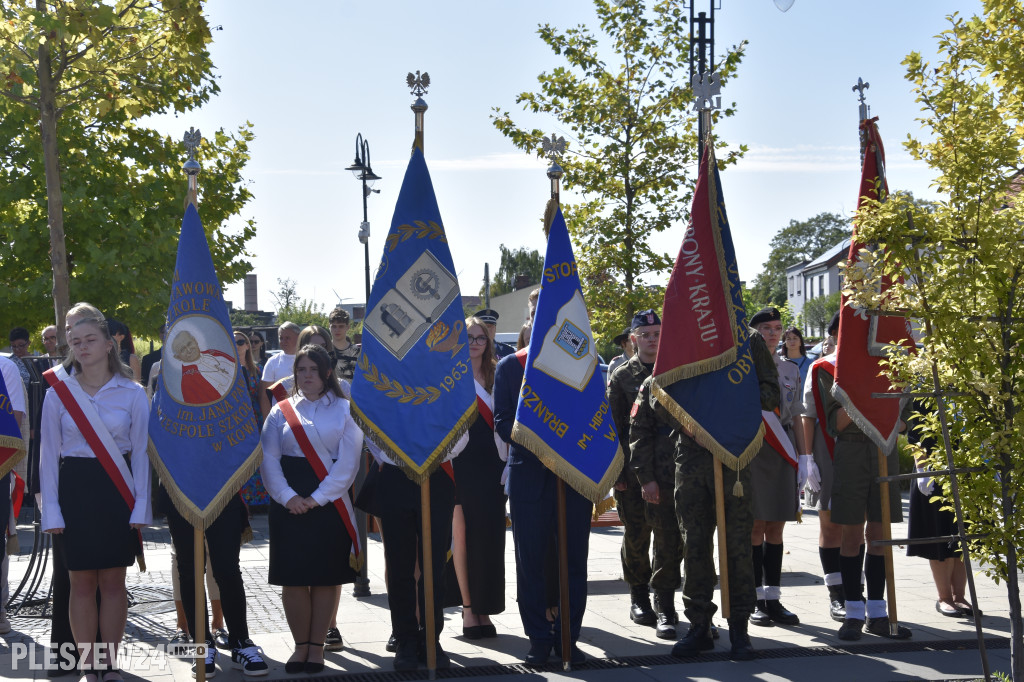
(695, 511)
(637, 493)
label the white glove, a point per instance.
(801, 472)
(925, 484)
(813, 475)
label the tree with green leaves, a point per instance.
(522, 262)
(962, 264)
(82, 181)
(799, 241)
(632, 144)
(818, 312)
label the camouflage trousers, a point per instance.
(695, 508)
(642, 521)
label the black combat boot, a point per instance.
(640, 611)
(667, 617)
(741, 650)
(760, 615)
(698, 639)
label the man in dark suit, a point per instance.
(533, 499)
(149, 359)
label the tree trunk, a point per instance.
(54, 197)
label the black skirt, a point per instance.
(478, 488)
(97, 527)
(928, 520)
(311, 548)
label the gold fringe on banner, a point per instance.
(549, 215)
(604, 505)
(202, 518)
(523, 436)
(19, 453)
(357, 561)
(403, 461)
(705, 439)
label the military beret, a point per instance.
(645, 318)
(766, 315)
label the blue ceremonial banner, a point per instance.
(704, 375)
(413, 394)
(203, 438)
(562, 416)
(12, 446)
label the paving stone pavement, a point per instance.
(620, 650)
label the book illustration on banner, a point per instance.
(201, 366)
(407, 310)
(567, 354)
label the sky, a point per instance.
(312, 76)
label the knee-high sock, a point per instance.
(874, 576)
(851, 567)
(757, 551)
(772, 564)
(829, 557)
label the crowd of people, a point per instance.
(89, 428)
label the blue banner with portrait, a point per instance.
(413, 392)
(203, 439)
(562, 416)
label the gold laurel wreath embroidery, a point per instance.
(419, 229)
(416, 395)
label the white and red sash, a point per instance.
(316, 454)
(484, 405)
(775, 435)
(95, 432)
(826, 364)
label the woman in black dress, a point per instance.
(310, 546)
(927, 520)
(478, 524)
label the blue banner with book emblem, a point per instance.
(203, 438)
(413, 392)
(562, 416)
(704, 374)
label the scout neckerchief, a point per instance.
(827, 364)
(316, 454)
(97, 435)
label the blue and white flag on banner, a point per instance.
(203, 438)
(413, 393)
(562, 415)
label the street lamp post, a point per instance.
(364, 172)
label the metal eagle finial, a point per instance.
(553, 147)
(418, 83)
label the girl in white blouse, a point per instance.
(98, 513)
(309, 542)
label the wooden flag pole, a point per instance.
(563, 580)
(723, 554)
(890, 574)
(428, 581)
(199, 569)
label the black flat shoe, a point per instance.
(472, 631)
(948, 609)
(313, 667)
(296, 667)
(488, 631)
(880, 627)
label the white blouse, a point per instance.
(123, 408)
(333, 422)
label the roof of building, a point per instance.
(832, 255)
